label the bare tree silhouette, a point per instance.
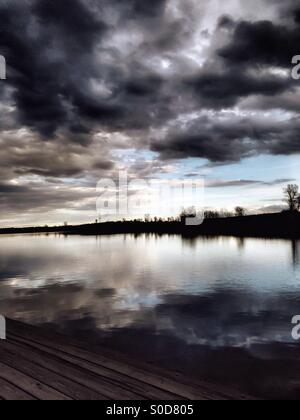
(240, 211)
(292, 198)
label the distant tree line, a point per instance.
(291, 197)
(223, 214)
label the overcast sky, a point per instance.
(163, 89)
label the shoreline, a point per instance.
(278, 226)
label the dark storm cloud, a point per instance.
(27, 156)
(68, 73)
(11, 189)
(239, 72)
(42, 41)
(231, 139)
(51, 50)
(36, 199)
(136, 9)
(77, 23)
(262, 42)
(247, 182)
(242, 67)
(225, 89)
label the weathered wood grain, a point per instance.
(37, 364)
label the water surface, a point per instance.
(219, 309)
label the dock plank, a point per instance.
(24, 381)
(36, 363)
(10, 392)
(77, 383)
(144, 374)
(130, 384)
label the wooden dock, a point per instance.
(36, 364)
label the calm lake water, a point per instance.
(218, 309)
